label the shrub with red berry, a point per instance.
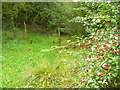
(100, 64)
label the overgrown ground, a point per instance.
(21, 59)
(89, 63)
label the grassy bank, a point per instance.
(22, 58)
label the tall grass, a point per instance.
(61, 73)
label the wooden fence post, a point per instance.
(59, 37)
(25, 30)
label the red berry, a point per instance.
(105, 49)
(100, 74)
(112, 48)
(102, 57)
(110, 69)
(99, 53)
(81, 45)
(105, 65)
(89, 50)
(86, 70)
(87, 47)
(98, 34)
(105, 68)
(97, 47)
(115, 52)
(119, 9)
(83, 80)
(115, 30)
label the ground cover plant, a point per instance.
(75, 48)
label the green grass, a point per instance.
(20, 55)
(22, 59)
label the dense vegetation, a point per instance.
(66, 45)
